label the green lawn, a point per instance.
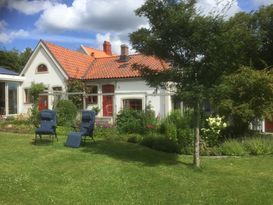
(123, 173)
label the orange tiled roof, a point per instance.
(112, 67)
(74, 63)
(96, 53)
(83, 66)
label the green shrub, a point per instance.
(109, 133)
(233, 148)
(170, 130)
(259, 145)
(177, 127)
(134, 138)
(160, 143)
(185, 140)
(130, 121)
(66, 112)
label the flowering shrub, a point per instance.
(211, 133)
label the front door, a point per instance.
(268, 125)
(43, 102)
(107, 100)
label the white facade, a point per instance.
(159, 100)
(54, 77)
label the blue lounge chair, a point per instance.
(86, 129)
(48, 124)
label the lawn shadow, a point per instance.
(41, 142)
(132, 152)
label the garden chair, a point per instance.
(48, 125)
(86, 130)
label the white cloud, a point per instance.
(7, 37)
(262, 2)
(219, 7)
(28, 7)
(3, 25)
(92, 15)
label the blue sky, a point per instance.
(71, 23)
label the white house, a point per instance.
(111, 83)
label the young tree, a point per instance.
(200, 50)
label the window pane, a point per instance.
(28, 97)
(134, 104)
(12, 96)
(91, 89)
(42, 68)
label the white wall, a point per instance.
(50, 79)
(135, 88)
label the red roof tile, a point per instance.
(114, 68)
(74, 63)
(83, 66)
(96, 53)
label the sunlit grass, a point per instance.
(111, 172)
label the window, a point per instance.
(134, 104)
(28, 97)
(42, 68)
(12, 97)
(91, 89)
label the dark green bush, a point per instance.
(66, 112)
(130, 121)
(136, 121)
(134, 138)
(177, 127)
(185, 140)
(160, 143)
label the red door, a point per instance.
(43, 102)
(107, 100)
(268, 125)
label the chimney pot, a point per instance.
(124, 52)
(107, 48)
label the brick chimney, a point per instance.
(124, 53)
(107, 48)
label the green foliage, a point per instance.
(135, 138)
(160, 143)
(136, 121)
(130, 121)
(75, 85)
(177, 127)
(14, 59)
(259, 145)
(245, 96)
(35, 90)
(96, 109)
(233, 148)
(66, 112)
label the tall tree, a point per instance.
(14, 59)
(199, 48)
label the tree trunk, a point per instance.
(196, 154)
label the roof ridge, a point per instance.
(71, 50)
(93, 48)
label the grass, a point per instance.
(110, 172)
